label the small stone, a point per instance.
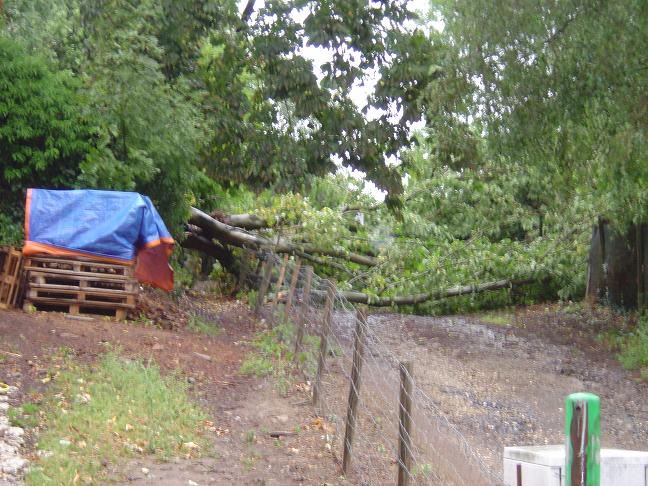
(145, 470)
(65, 442)
(13, 465)
(14, 433)
(192, 483)
(283, 418)
(68, 335)
(191, 380)
(203, 356)
(4, 406)
(7, 450)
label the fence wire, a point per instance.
(440, 454)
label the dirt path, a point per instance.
(244, 410)
(506, 386)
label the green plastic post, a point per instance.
(583, 445)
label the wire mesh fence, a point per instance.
(379, 423)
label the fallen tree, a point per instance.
(214, 236)
(413, 299)
(235, 236)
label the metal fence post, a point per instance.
(301, 320)
(280, 281)
(265, 282)
(293, 285)
(583, 446)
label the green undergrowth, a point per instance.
(275, 356)
(503, 319)
(634, 348)
(199, 325)
(103, 414)
(25, 415)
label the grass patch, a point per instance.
(634, 351)
(249, 461)
(25, 416)
(199, 325)
(497, 319)
(116, 409)
(275, 355)
(257, 365)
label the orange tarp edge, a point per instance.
(34, 248)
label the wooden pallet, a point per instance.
(80, 286)
(10, 272)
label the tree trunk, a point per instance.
(231, 235)
(360, 298)
(617, 266)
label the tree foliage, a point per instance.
(559, 87)
(43, 134)
(531, 123)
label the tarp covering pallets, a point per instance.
(113, 227)
(80, 286)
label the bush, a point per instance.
(43, 136)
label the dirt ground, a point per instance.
(489, 385)
(502, 385)
(245, 410)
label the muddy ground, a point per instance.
(483, 386)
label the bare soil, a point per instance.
(244, 410)
(490, 385)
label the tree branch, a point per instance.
(360, 298)
(247, 11)
(239, 237)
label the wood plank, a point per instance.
(80, 297)
(77, 275)
(84, 262)
(65, 302)
(75, 288)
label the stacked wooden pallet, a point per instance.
(10, 267)
(80, 286)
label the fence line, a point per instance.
(365, 388)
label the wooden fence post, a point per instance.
(293, 285)
(301, 320)
(265, 282)
(323, 349)
(405, 424)
(280, 281)
(582, 428)
(354, 387)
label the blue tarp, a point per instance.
(106, 224)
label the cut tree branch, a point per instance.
(231, 235)
(360, 298)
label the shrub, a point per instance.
(43, 136)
